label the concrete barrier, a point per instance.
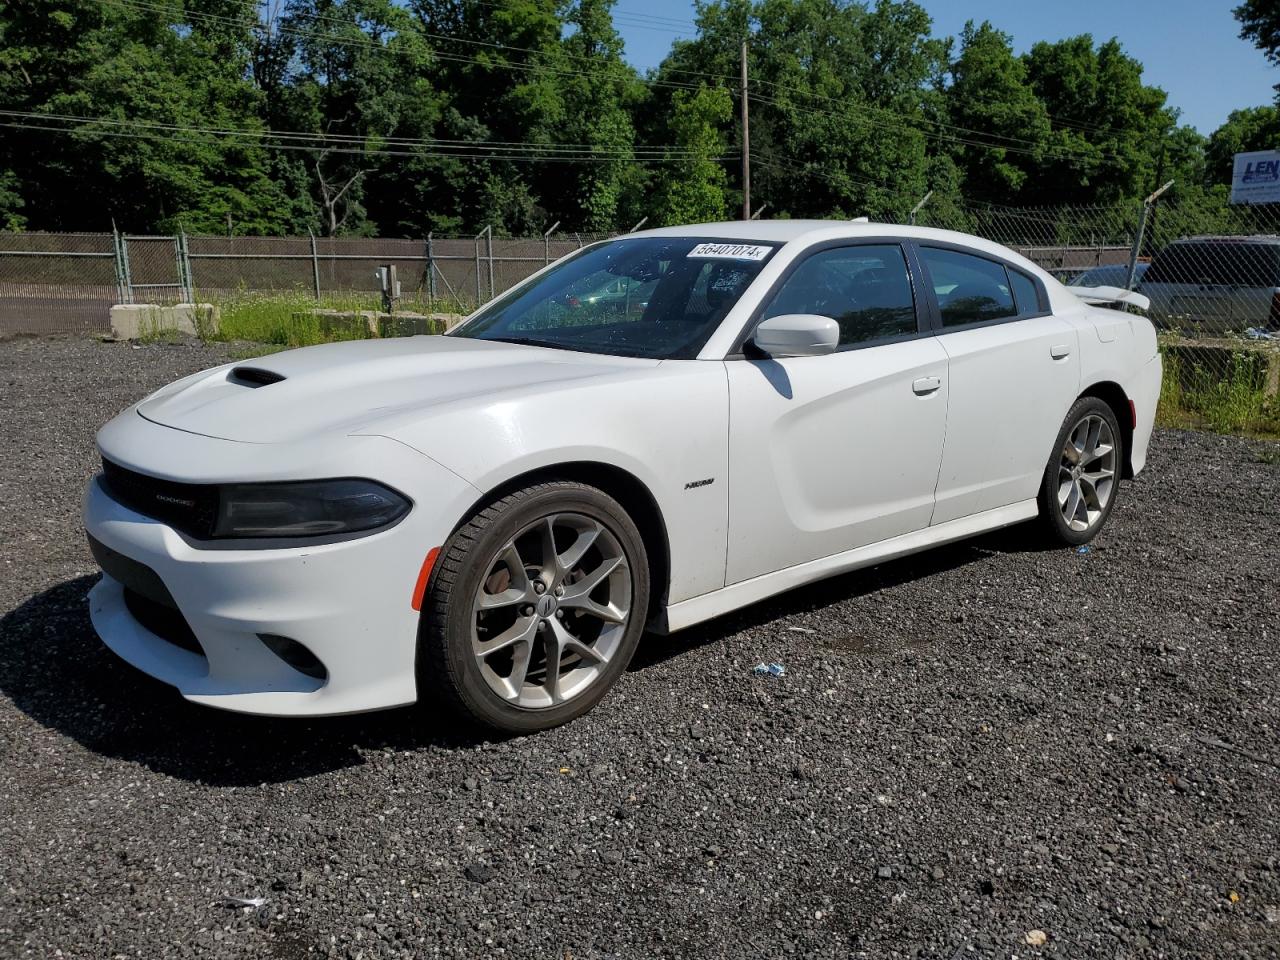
(140, 321)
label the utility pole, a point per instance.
(746, 143)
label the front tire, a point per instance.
(535, 608)
(1082, 479)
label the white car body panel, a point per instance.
(1011, 385)
(766, 474)
(707, 606)
(829, 453)
(677, 425)
(347, 602)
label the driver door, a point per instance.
(835, 452)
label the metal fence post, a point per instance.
(546, 243)
(315, 264)
(121, 266)
(1143, 214)
(479, 298)
(128, 270)
(911, 217)
(489, 250)
(431, 270)
(187, 277)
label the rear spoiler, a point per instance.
(1106, 296)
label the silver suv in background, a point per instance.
(1215, 285)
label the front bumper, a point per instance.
(347, 603)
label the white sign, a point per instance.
(731, 251)
(1256, 177)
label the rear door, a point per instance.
(1013, 372)
(834, 452)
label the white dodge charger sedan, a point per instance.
(648, 433)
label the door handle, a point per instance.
(926, 385)
(1060, 351)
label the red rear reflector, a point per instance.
(424, 575)
(1133, 415)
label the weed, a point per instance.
(1233, 400)
(294, 318)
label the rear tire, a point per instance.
(554, 572)
(1082, 479)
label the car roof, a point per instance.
(817, 231)
(786, 231)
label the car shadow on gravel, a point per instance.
(55, 669)
(1022, 538)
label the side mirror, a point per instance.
(796, 335)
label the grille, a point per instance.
(165, 622)
(189, 507)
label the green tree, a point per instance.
(1109, 127)
(361, 85)
(837, 92)
(148, 80)
(599, 91)
(692, 184)
(1000, 128)
(1254, 128)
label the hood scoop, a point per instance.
(254, 376)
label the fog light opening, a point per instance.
(295, 655)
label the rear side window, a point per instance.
(865, 288)
(969, 289)
(1025, 293)
(1217, 263)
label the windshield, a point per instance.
(656, 297)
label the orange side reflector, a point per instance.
(424, 575)
(1133, 415)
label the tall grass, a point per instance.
(296, 319)
(1224, 401)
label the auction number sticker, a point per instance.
(731, 251)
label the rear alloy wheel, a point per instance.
(1082, 479)
(536, 608)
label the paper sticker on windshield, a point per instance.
(731, 251)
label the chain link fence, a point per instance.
(1212, 273)
(67, 283)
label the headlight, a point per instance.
(306, 509)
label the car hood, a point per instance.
(349, 387)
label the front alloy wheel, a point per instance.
(552, 611)
(534, 608)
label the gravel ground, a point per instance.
(971, 749)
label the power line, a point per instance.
(321, 140)
(169, 134)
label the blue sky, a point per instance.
(1190, 48)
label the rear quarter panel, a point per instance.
(1120, 347)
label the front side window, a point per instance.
(969, 289)
(656, 297)
(865, 288)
